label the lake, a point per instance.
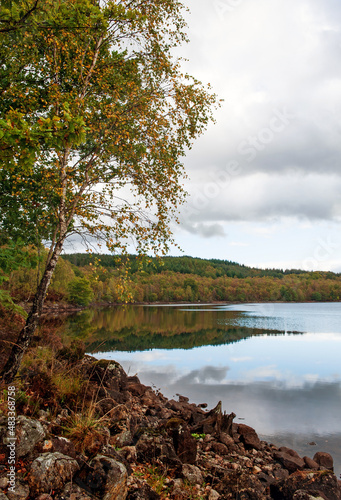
(277, 366)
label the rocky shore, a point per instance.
(135, 444)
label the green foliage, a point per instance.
(198, 436)
(80, 292)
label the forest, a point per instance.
(84, 278)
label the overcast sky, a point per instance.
(265, 180)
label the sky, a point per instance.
(264, 180)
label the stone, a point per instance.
(150, 448)
(227, 440)
(320, 483)
(289, 461)
(4, 481)
(219, 448)
(3, 496)
(22, 491)
(73, 492)
(289, 451)
(143, 492)
(129, 453)
(213, 495)
(29, 432)
(122, 439)
(324, 460)
(249, 437)
(241, 485)
(44, 496)
(305, 495)
(192, 474)
(104, 477)
(310, 463)
(51, 471)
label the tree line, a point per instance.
(84, 279)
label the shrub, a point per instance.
(80, 292)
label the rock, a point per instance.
(151, 448)
(137, 389)
(109, 451)
(305, 495)
(119, 413)
(22, 491)
(227, 440)
(129, 453)
(289, 461)
(143, 492)
(4, 481)
(109, 375)
(324, 460)
(105, 478)
(192, 474)
(249, 437)
(44, 496)
(310, 463)
(122, 439)
(50, 472)
(213, 495)
(64, 446)
(29, 432)
(74, 492)
(183, 409)
(219, 448)
(289, 451)
(241, 485)
(3, 496)
(320, 483)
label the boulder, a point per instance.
(104, 477)
(192, 474)
(227, 440)
(108, 374)
(150, 448)
(29, 432)
(320, 483)
(249, 437)
(51, 471)
(122, 439)
(324, 460)
(290, 461)
(310, 463)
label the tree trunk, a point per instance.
(13, 363)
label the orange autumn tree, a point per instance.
(95, 119)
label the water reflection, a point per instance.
(137, 328)
(285, 384)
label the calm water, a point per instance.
(277, 366)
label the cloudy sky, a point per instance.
(265, 180)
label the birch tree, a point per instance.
(96, 117)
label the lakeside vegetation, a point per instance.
(83, 279)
